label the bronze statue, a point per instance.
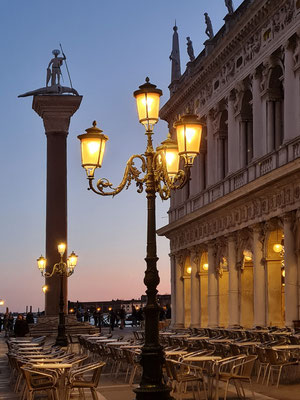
(190, 49)
(56, 63)
(229, 5)
(209, 30)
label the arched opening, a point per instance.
(246, 290)
(246, 129)
(203, 274)
(275, 109)
(187, 291)
(275, 279)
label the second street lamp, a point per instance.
(159, 173)
(63, 269)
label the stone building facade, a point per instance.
(234, 230)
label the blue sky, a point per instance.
(111, 46)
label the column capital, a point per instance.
(56, 111)
(290, 217)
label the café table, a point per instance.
(220, 340)
(118, 344)
(180, 336)
(241, 344)
(63, 368)
(211, 360)
(176, 352)
(195, 338)
(287, 347)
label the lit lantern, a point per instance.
(73, 260)
(277, 247)
(92, 149)
(205, 267)
(147, 101)
(45, 288)
(189, 130)
(170, 151)
(61, 248)
(247, 255)
(189, 270)
(41, 261)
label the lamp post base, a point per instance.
(153, 393)
(61, 339)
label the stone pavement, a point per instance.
(111, 388)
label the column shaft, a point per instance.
(233, 292)
(278, 124)
(243, 155)
(195, 292)
(179, 298)
(291, 272)
(213, 293)
(259, 281)
(271, 127)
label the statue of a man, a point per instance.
(56, 63)
(229, 5)
(209, 30)
(190, 49)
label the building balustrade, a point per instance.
(285, 154)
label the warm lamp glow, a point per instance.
(71, 310)
(189, 130)
(1, 302)
(99, 309)
(92, 149)
(41, 261)
(277, 247)
(109, 308)
(45, 288)
(73, 260)
(247, 255)
(205, 267)
(283, 273)
(189, 270)
(147, 101)
(169, 150)
(61, 248)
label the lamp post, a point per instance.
(63, 269)
(159, 173)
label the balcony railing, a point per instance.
(285, 154)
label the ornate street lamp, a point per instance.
(159, 173)
(63, 269)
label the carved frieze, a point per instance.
(235, 218)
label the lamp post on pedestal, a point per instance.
(64, 269)
(160, 174)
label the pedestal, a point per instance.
(56, 111)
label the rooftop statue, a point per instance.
(229, 5)
(209, 30)
(54, 74)
(190, 49)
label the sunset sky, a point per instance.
(111, 46)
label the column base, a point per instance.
(178, 326)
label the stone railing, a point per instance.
(286, 153)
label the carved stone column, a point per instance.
(259, 147)
(243, 154)
(290, 128)
(213, 292)
(259, 280)
(291, 270)
(202, 171)
(271, 125)
(249, 141)
(211, 152)
(179, 296)
(233, 290)
(56, 112)
(195, 290)
(173, 289)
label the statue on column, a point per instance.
(56, 63)
(229, 5)
(54, 73)
(190, 49)
(209, 29)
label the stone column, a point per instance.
(211, 152)
(259, 147)
(249, 141)
(56, 112)
(195, 290)
(173, 289)
(202, 171)
(290, 130)
(259, 280)
(243, 153)
(271, 126)
(278, 123)
(213, 293)
(220, 155)
(233, 291)
(291, 270)
(179, 297)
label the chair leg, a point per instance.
(94, 393)
(279, 374)
(226, 389)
